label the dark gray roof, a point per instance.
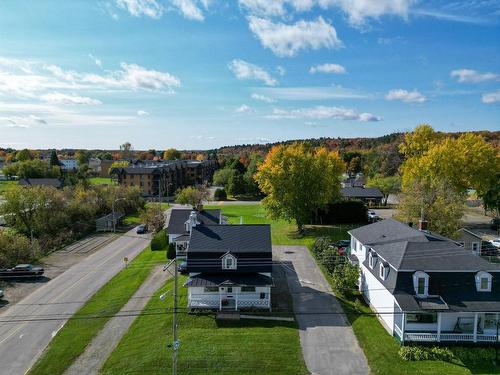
(245, 279)
(178, 216)
(361, 192)
(384, 231)
(54, 182)
(250, 238)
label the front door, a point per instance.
(227, 297)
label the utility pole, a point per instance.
(174, 321)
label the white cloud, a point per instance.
(142, 113)
(312, 93)
(138, 8)
(492, 97)
(60, 98)
(264, 8)
(244, 70)
(473, 76)
(406, 96)
(358, 11)
(96, 61)
(323, 112)
(21, 121)
(451, 17)
(263, 98)
(327, 68)
(189, 9)
(244, 109)
(286, 40)
(281, 70)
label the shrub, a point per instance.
(474, 355)
(220, 195)
(471, 355)
(345, 212)
(171, 251)
(345, 277)
(321, 245)
(159, 241)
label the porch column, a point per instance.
(439, 328)
(475, 327)
(220, 300)
(236, 300)
(403, 324)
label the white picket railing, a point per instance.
(398, 331)
(455, 337)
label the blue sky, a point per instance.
(198, 74)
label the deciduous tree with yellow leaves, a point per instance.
(298, 180)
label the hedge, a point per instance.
(159, 241)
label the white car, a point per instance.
(372, 216)
(495, 242)
(1, 293)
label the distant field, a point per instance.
(101, 181)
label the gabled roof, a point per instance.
(249, 238)
(470, 232)
(384, 231)
(361, 192)
(54, 182)
(178, 216)
(245, 279)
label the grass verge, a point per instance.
(86, 323)
(244, 347)
(101, 181)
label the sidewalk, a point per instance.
(94, 356)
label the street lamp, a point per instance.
(113, 209)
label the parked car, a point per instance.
(141, 229)
(495, 223)
(343, 243)
(182, 267)
(21, 270)
(372, 216)
(495, 242)
(1, 293)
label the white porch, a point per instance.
(229, 298)
(448, 327)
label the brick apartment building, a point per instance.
(165, 177)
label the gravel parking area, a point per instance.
(54, 265)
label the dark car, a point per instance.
(495, 223)
(343, 243)
(1, 293)
(182, 267)
(21, 270)
(141, 229)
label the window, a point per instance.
(384, 270)
(421, 318)
(483, 281)
(211, 289)
(228, 262)
(475, 247)
(372, 260)
(421, 284)
(249, 289)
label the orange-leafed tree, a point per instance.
(299, 180)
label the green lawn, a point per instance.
(6, 185)
(101, 181)
(134, 219)
(207, 346)
(283, 233)
(79, 331)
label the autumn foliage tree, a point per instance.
(299, 180)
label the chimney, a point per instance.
(422, 225)
(193, 220)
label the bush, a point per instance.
(345, 212)
(159, 241)
(474, 355)
(171, 251)
(220, 195)
(345, 277)
(471, 355)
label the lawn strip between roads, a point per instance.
(85, 324)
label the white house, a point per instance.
(229, 267)
(69, 164)
(424, 287)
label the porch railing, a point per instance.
(453, 337)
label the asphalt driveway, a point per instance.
(328, 342)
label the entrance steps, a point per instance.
(227, 315)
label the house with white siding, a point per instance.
(230, 267)
(425, 287)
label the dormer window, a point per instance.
(421, 284)
(483, 281)
(372, 259)
(383, 271)
(228, 262)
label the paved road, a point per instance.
(328, 342)
(27, 328)
(94, 356)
